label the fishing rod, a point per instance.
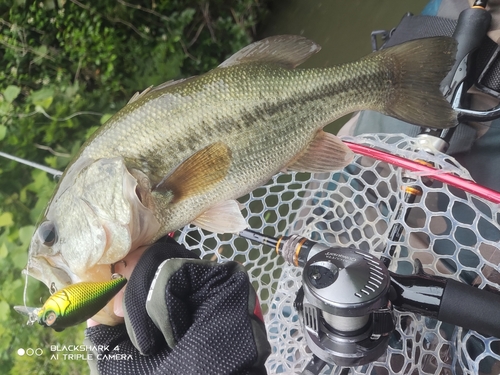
(42, 167)
(348, 296)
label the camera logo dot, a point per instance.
(30, 352)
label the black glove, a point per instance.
(183, 316)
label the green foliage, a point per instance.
(65, 68)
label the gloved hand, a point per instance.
(183, 316)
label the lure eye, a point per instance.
(47, 233)
(50, 318)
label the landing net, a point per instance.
(453, 233)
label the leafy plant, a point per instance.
(65, 68)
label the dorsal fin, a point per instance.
(169, 84)
(138, 95)
(161, 86)
(287, 51)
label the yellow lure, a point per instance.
(75, 304)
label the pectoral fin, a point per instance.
(198, 173)
(325, 153)
(224, 217)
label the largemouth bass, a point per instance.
(184, 151)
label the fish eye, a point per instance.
(47, 233)
(50, 318)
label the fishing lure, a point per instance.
(75, 304)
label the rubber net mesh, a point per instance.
(453, 233)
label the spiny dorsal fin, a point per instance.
(287, 51)
(138, 95)
(325, 153)
(169, 84)
(224, 217)
(198, 173)
(151, 89)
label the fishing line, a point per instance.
(223, 257)
(25, 290)
(32, 164)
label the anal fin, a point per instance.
(224, 217)
(325, 153)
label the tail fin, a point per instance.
(417, 69)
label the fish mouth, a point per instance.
(54, 276)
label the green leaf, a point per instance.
(51, 161)
(106, 117)
(4, 310)
(72, 90)
(59, 75)
(42, 97)
(11, 93)
(40, 181)
(6, 219)
(25, 234)
(91, 131)
(3, 132)
(39, 209)
(3, 251)
(12, 288)
(49, 4)
(20, 258)
(41, 53)
(5, 107)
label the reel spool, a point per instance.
(344, 308)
